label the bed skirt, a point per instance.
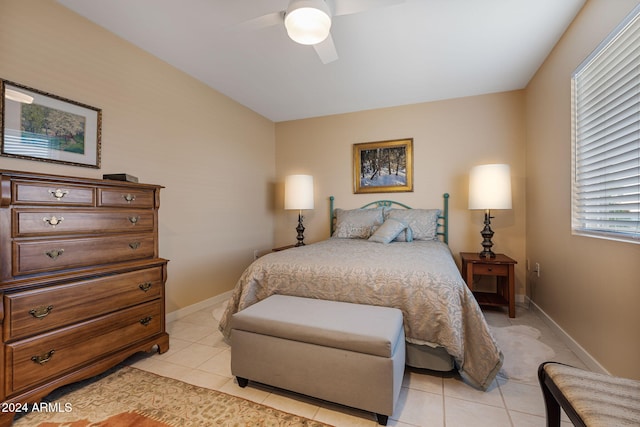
(426, 357)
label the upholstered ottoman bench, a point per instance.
(350, 354)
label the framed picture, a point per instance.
(35, 125)
(383, 167)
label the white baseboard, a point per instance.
(183, 312)
(573, 345)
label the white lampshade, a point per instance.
(298, 192)
(490, 187)
(307, 21)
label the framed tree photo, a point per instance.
(383, 166)
(36, 125)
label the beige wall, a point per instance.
(449, 138)
(590, 287)
(215, 157)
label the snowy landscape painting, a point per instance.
(384, 166)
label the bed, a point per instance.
(386, 254)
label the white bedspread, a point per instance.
(420, 278)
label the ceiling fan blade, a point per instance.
(348, 7)
(326, 50)
(268, 20)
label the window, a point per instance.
(606, 137)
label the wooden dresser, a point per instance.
(81, 282)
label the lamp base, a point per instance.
(300, 230)
(487, 234)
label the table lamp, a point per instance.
(489, 188)
(298, 194)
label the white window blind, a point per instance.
(606, 137)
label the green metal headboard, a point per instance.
(443, 218)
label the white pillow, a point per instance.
(388, 231)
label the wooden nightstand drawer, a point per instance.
(491, 270)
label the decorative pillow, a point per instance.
(405, 235)
(388, 231)
(357, 223)
(422, 222)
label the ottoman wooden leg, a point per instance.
(242, 382)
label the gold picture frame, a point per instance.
(383, 166)
(36, 125)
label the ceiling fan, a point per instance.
(308, 22)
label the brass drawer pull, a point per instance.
(134, 245)
(53, 221)
(146, 321)
(41, 312)
(42, 359)
(54, 253)
(134, 219)
(58, 193)
(145, 286)
(129, 197)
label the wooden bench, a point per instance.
(350, 354)
(588, 398)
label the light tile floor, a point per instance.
(198, 355)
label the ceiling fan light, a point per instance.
(307, 22)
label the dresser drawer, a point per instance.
(32, 312)
(36, 360)
(37, 256)
(491, 269)
(126, 197)
(40, 222)
(34, 193)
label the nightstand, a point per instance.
(502, 268)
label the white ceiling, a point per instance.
(411, 52)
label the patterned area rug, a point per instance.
(128, 396)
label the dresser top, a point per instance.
(72, 179)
